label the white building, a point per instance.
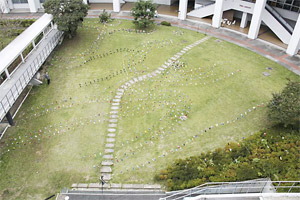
(281, 16)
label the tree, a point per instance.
(67, 14)
(284, 108)
(143, 12)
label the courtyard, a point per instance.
(213, 93)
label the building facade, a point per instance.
(281, 16)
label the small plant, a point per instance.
(105, 17)
(165, 23)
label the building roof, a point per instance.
(13, 49)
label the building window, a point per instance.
(42, 1)
(19, 1)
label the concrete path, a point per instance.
(259, 46)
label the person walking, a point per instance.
(47, 77)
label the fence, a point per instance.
(246, 187)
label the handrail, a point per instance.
(277, 16)
(284, 6)
(255, 186)
(205, 5)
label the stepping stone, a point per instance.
(149, 75)
(161, 69)
(94, 185)
(115, 107)
(106, 176)
(164, 66)
(111, 130)
(144, 76)
(186, 49)
(174, 58)
(182, 51)
(107, 163)
(118, 97)
(179, 54)
(170, 61)
(109, 145)
(113, 120)
(114, 116)
(266, 74)
(140, 78)
(153, 73)
(135, 79)
(106, 169)
(115, 104)
(114, 112)
(111, 135)
(157, 71)
(128, 84)
(121, 90)
(124, 86)
(110, 140)
(120, 94)
(112, 125)
(116, 100)
(108, 156)
(82, 185)
(108, 150)
(131, 81)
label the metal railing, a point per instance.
(10, 97)
(293, 5)
(203, 6)
(245, 187)
(277, 16)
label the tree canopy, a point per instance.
(284, 108)
(143, 12)
(67, 14)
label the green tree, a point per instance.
(284, 108)
(143, 12)
(67, 14)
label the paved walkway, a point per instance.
(259, 46)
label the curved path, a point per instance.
(106, 169)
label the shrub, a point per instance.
(165, 23)
(105, 17)
(284, 108)
(273, 154)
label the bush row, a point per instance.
(274, 153)
(17, 22)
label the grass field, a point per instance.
(61, 129)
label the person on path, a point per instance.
(47, 77)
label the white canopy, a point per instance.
(13, 49)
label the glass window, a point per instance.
(42, 1)
(19, 1)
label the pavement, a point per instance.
(111, 195)
(264, 48)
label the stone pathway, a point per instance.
(106, 169)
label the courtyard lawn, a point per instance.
(61, 129)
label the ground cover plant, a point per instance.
(273, 153)
(11, 28)
(214, 94)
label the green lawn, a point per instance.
(61, 129)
